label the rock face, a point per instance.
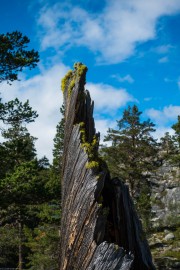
(100, 228)
(165, 196)
(165, 239)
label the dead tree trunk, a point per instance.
(100, 228)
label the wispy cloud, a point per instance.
(102, 126)
(163, 49)
(163, 60)
(161, 130)
(126, 78)
(44, 94)
(148, 99)
(111, 34)
(162, 117)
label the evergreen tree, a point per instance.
(167, 148)
(43, 240)
(133, 148)
(18, 145)
(176, 128)
(14, 56)
(58, 143)
(21, 193)
(176, 137)
(56, 167)
(131, 156)
(17, 177)
(167, 144)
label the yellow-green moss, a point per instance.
(71, 85)
(80, 69)
(89, 148)
(71, 77)
(65, 80)
(92, 164)
(81, 124)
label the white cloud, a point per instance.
(161, 117)
(107, 98)
(44, 94)
(126, 78)
(102, 126)
(148, 99)
(112, 34)
(161, 130)
(163, 59)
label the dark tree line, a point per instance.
(29, 187)
(29, 194)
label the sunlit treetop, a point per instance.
(14, 56)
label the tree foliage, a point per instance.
(170, 145)
(176, 158)
(133, 148)
(16, 113)
(131, 157)
(176, 128)
(18, 145)
(29, 188)
(14, 56)
(58, 143)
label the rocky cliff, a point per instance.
(165, 201)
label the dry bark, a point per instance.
(99, 228)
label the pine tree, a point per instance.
(14, 56)
(131, 156)
(43, 240)
(176, 128)
(21, 193)
(56, 167)
(58, 143)
(176, 158)
(133, 148)
(167, 144)
(17, 177)
(18, 145)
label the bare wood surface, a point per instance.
(99, 228)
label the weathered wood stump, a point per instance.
(99, 228)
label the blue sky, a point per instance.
(131, 48)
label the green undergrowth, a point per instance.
(172, 253)
(69, 80)
(166, 248)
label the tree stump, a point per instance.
(99, 228)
